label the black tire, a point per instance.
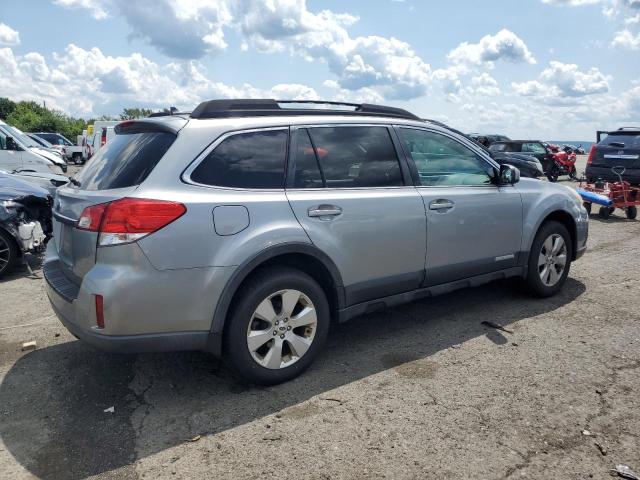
(77, 158)
(553, 174)
(604, 212)
(632, 212)
(8, 253)
(587, 207)
(532, 281)
(573, 174)
(262, 285)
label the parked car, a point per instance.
(48, 181)
(534, 148)
(619, 148)
(245, 227)
(15, 155)
(25, 220)
(74, 153)
(26, 141)
(528, 165)
(487, 140)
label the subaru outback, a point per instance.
(245, 227)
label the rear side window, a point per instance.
(630, 140)
(349, 157)
(246, 160)
(533, 148)
(125, 161)
(498, 147)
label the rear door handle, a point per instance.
(441, 204)
(324, 211)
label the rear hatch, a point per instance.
(115, 172)
(620, 148)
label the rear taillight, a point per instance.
(129, 219)
(592, 154)
(103, 137)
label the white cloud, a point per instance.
(8, 36)
(626, 39)
(89, 83)
(95, 7)
(562, 80)
(572, 3)
(504, 45)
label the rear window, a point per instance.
(630, 140)
(246, 160)
(125, 161)
(498, 147)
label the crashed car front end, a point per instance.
(25, 220)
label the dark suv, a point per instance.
(534, 148)
(620, 148)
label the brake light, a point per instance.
(99, 311)
(103, 137)
(129, 219)
(592, 154)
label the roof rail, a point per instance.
(166, 114)
(270, 107)
(629, 128)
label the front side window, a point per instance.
(533, 148)
(347, 157)
(246, 160)
(442, 161)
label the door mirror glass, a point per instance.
(509, 174)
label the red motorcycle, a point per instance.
(564, 163)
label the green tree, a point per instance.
(32, 117)
(6, 107)
(131, 113)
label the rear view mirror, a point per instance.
(509, 174)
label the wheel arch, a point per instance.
(302, 256)
(565, 218)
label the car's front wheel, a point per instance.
(549, 260)
(8, 252)
(279, 324)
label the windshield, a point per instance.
(41, 141)
(21, 137)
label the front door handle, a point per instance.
(324, 211)
(441, 204)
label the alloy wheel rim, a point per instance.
(552, 260)
(281, 329)
(4, 254)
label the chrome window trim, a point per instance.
(186, 174)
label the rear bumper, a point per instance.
(631, 175)
(145, 310)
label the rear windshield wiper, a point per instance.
(617, 144)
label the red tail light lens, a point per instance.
(592, 154)
(103, 137)
(129, 219)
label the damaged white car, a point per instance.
(25, 220)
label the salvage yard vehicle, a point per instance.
(25, 220)
(48, 181)
(16, 155)
(74, 153)
(619, 148)
(534, 148)
(244, 228)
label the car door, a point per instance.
(473, 226)
(354, 198)
(10, 158)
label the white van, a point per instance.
(102, 132)
(16, 154)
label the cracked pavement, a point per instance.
(420, 391)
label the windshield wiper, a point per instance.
(75, 182)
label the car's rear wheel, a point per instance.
(278, 327)
(8, 252)
(549, 260)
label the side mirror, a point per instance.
(508, 175)
(11, 144)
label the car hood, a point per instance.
(48, 155)
(12, 188)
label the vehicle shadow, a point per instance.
(21, 270)
(52, 401)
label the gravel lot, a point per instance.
(420, 391)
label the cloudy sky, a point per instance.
(554, 69)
